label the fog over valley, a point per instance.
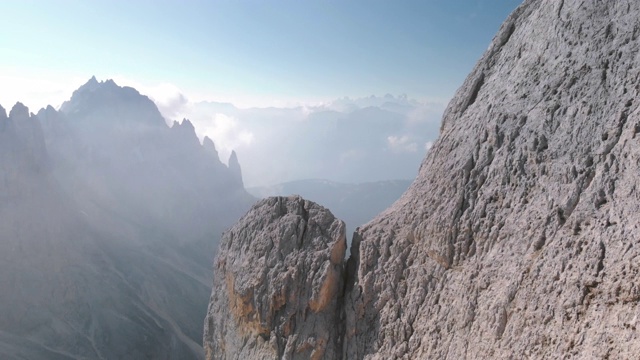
(370, 139)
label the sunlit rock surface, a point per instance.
(278, 282)
(519, 237)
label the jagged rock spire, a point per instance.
(234, 167)
(278, 278)
(210, 147)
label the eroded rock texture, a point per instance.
(278, 283)
(519, 238)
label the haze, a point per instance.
(251, 54)
(133, 134)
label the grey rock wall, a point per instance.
(278, 282)
(519, 237)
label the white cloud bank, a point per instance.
(402, 144)
(226, 133)
(348, 140)
(344, 141)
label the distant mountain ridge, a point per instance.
(110, 219)
(354, 140)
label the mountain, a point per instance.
(109, 222)
(354, 141)
(287, 254)
(518, 238)
(355, 204)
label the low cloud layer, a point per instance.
(226, 132)
(402, 144)
(348, 140)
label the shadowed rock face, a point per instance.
(277, 284)
(519, 236)
(108, 224)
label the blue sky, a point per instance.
(243, 51)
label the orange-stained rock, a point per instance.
(278, 279)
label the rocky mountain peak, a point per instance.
(3, 118)
(90, 85)
(185, 133)
(22, 142)
(106, 102)
(50, 109)
(19, 112)
(209, 147)
(234, 167)
(278, 278)
(186, 123)
(510, 252)
(100, 189)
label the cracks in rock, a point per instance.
(590, 285)
(305, 219)
(477, 84)
(583, 183)
(560, 10)
(350, 274)
(622, 121)
(502, 322)
(603, 253)
(506, 35)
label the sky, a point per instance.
(248, 52)
(299, 73)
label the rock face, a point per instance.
(234, 167)
(518, 239)
(278, 284)
(355, 204)
(519, 236)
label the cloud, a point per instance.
(36, 89)
(277, 144)
(401, 144)
(352, 155)
(428, 113)
(226, 133)
(170, 100)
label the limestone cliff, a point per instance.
(277, 285)
(518, 239)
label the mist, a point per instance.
(346, 140)
(114, 205)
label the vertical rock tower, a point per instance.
(519, 237)
(278, 282)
